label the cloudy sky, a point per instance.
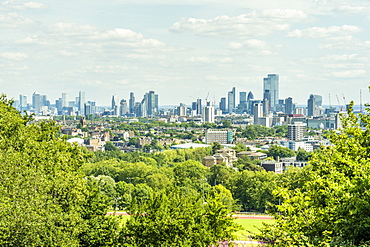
(185, 49)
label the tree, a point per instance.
(253, 190)
(278, 151)
(216, 146)
(330, 205)
(177, 218)
(44, 199)
(302, 155)
(109, 146)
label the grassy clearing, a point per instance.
(249, 225)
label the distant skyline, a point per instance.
(184, 50)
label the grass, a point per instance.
(249, 225)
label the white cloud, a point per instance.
(250, 43)
(14, 55)
(349, 74)
(335, 58)
(256, 23)
(209, 60)
(14, 20)
(322, 32)
(28, 5)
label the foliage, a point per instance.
(44, 199)
(177, 218)
(329, 205)
(303, 155)
(253, 190)
(278, 151)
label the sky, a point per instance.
(184, 50)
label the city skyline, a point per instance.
(185, 50)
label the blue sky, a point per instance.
(185, 49)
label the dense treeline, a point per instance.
(46, 198)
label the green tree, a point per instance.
(177, 218)
(330, 205)
(109, 146)
(278, 151)
(44, 199)
(253, 190)
(302, 155)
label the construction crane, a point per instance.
(340, 107)
(344, 100)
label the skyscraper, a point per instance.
(36, 101)
(22, 102)
(199, 106)
(231, 97)
(81, 102)
(114, 102)
(64, 100)
(152, 103)
(311, 106)
(209, 113)
(257, 112)
(123, 108)
(288, 106)
(271, 83)
(132, 103)
(223, 107)
(250, 97)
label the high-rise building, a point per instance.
(22, 102)
(132, 103)
(223, 107)
(209, 113)
(242, 97)
(81, 102)
(231, 100)
(296, 131)
(266, 102)
(181, 110)
(257, 112)
(152, 103)
(250, 97)
(288, 106)
(311, 106)
(114, 102)
(271, 83)
(318, 100)
(199, 106)
(36, 102)
(123, 108)
(64, 100)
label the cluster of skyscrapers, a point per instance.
(267, 106)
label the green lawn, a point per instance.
(249, 225)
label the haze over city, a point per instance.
(184, 49)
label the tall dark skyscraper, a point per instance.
(223, 105)
(250, 97)
(242, 97)
(288, 106)
(231, 100)
(311, 105)
(132, 103)
(199, 106)
(152, 103)
(271, 83)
